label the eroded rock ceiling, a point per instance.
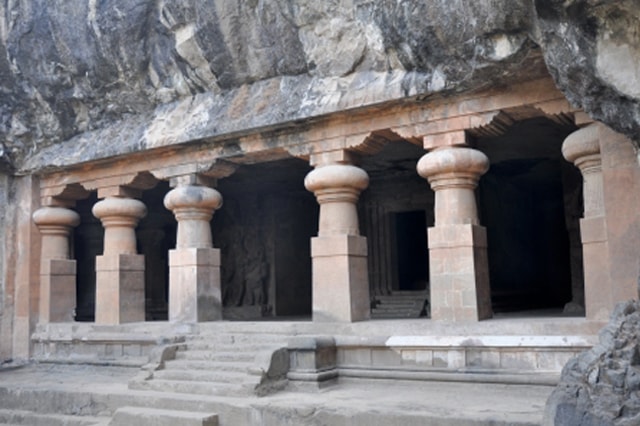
(73, 66)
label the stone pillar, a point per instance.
(339, 253)
(120, 270)
(57, 270)
(194, 266)
(582, 148)
(458, 261)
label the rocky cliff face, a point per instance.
(601, 387)
(70, 67)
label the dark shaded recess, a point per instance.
(264, 230)
(88, 242)
(156, 235)
(522, 204)
(411, 248)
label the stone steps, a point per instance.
(400, 304)
(220, 376)
(224, 364)
(194, 387)
(214, 355)
(30, 418)
(143, 416)
(203, 366)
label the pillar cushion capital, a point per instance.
(582, 143)
(193, 196)
(119, 207)
(335, 177)
(453, 162)
(56, 217)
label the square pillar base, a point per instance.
(57, 290)
(598, 292)
(119, 288)
(340, 279)
(194, 285)
(459, 269)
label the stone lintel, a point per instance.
(581, 118)
(339, 245)
(119, 191)
(438, 140)
(340, 156)
(593, 229)
(464, 235)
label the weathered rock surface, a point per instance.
(67, 68)
(601, 387)
(592, 49)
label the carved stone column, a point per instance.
(57, 270)
(194, 266)
(458, 261)
(120, 270)
(582, 148)
(339, 253)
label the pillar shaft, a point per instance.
(339, 253)
(194, 266)
(120, 270)
(57, 271)
(582, 147)
(458, 261)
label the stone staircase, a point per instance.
(401, 304)
(226, 364)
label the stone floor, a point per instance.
(95, 392)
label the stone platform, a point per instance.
(385, 372)
(89, 395)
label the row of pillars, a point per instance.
(459, 280)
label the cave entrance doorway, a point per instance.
(530, 203)
(410, 248)
(88, 242)
(263, 230)
(395, 212)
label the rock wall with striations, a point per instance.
(67, 68)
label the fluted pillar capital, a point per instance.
(193, 207)
(337, 188)
(453, 173)
(119, 217)
(55, 224)
(582, 148)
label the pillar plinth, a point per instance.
(194, 266)
(582, 148)
(120, 270)
(339, 253)
(57, 271)
(458, 261)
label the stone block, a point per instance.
(518, 360)
(120, 288)
(460, 288)
(144, 416)
(355, 357)
(385, 358)
(194, 285)
(57, 290)
(593, 230)
(340, 279)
